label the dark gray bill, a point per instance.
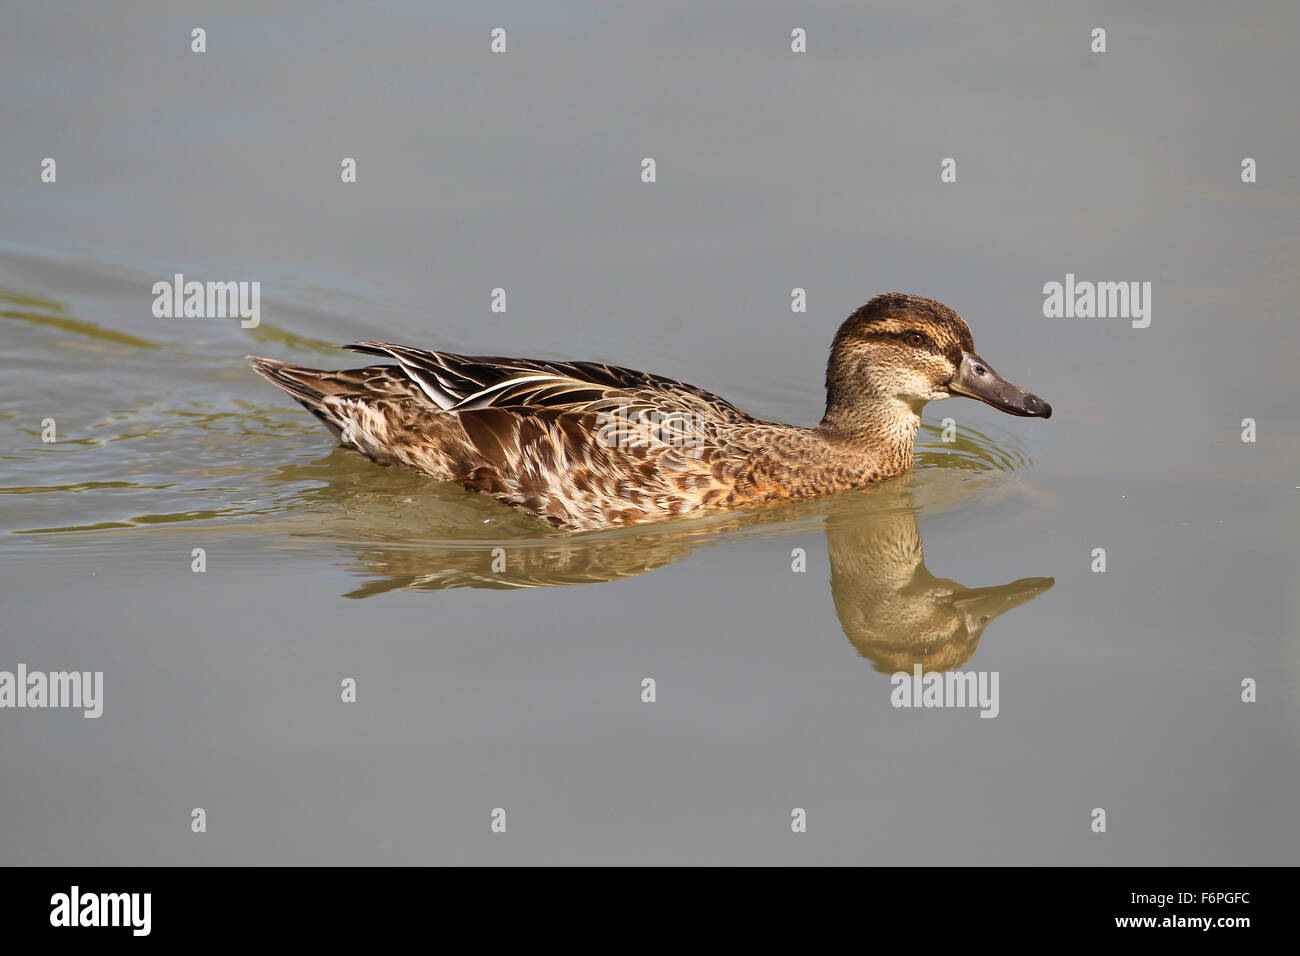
(977, 379)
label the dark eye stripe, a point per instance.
(926, 342)
(884, 336)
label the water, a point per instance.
(521, 688)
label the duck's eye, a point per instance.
(915, 338)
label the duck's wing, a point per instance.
(468, 382)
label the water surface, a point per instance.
(521, 688)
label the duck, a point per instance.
(587, 446)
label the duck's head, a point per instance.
(903, 351)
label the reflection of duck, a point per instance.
(893, 610)
(587, 446)
(898, 614)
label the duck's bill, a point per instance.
(976, 379)
(982, 605)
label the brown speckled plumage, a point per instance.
(583, 445)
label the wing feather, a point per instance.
(466, 382)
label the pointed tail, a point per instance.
(308, 386)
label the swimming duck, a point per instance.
(584, 446)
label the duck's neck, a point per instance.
(879, 437)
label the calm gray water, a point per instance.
(479, 689)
